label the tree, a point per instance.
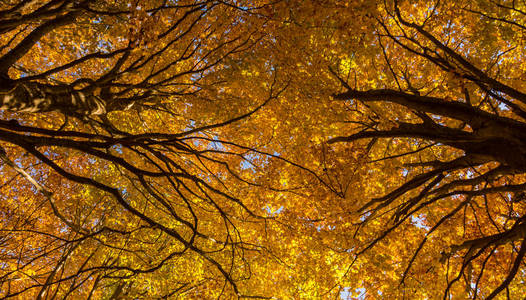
(113, 180)
(450, 109)
(259, 149)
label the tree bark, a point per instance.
(37, 97)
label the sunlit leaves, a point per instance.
(213, 171)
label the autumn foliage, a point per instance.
(159, 149)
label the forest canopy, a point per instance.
(163, 149)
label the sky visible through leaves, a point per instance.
(166, 149)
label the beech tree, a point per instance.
(110, 177)
(262, 149)
(455, 123)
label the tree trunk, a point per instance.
(38, 97)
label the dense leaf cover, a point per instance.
(289, 149)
